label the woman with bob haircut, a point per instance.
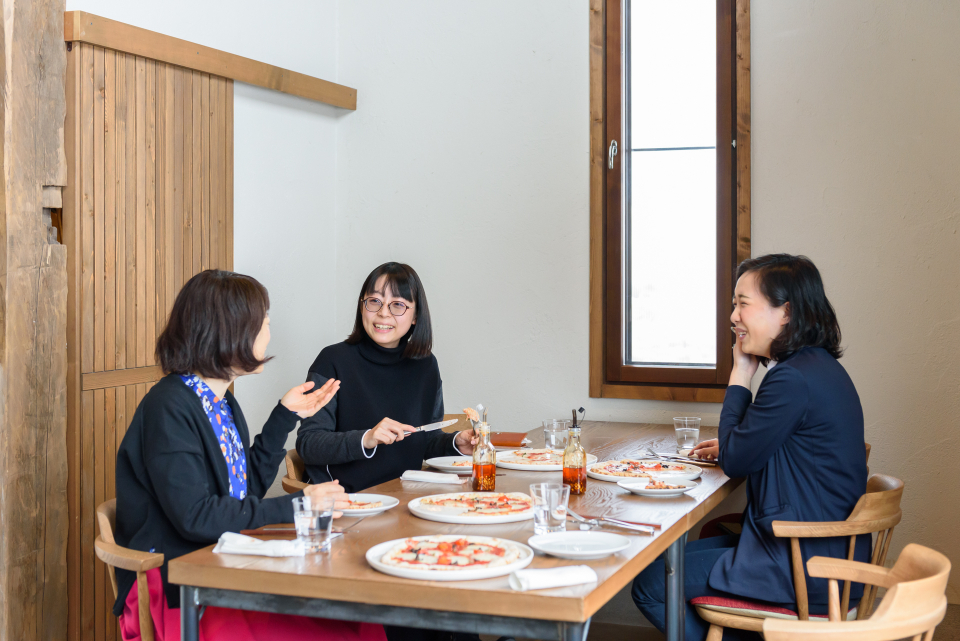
(799, 444)
(391, 385)
(186, 472)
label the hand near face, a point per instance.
(306, 405)
(465, 441)
(386, 432)
(744, 366)
(708, 450)
(333, 489)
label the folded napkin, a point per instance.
(233, 543)
(430, 477)
(523, 580)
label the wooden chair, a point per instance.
(296, 477)
(913, 606)
(461, 424)
(126, 559)
(877, 511)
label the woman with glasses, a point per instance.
(390, 385)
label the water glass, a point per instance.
(688, 433)
(313, 519)
(549, 507)
(555, 433)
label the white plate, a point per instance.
(388, 502)
(445, 463)
(687, 473)
(375, 553)
(579, 545)
(455, 514)
(638, 486)
(509, 463)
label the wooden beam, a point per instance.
(80, 26)
(743, 130)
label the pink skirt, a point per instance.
(225, 624)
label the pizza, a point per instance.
(451, 552)
(660, 485)
(482, 503)
(537, 457)
(634, 469)
(363, 505)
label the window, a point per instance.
(669, 193)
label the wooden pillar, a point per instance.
(33, 304)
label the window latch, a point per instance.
(612, 153)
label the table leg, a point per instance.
(189, 613)
(574, 631)
(676, 604)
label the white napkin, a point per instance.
(430, 477)
(233, 543)
(523, 580)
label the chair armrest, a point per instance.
(819, 529)
(824, 567)
(125, 558)
(292, 485)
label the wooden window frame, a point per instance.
(609, 377)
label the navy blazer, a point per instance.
(172, 486)
(800, 446)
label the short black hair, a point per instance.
(401, 281)
(213, 325)
(784, 278)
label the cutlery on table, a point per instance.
(621, 524)
(677, 458)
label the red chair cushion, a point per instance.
(754, 609)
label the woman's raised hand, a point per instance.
(386, 432)
(334, 489)
(708, 450)
(465, 441)
(306, 405)
(744, 366)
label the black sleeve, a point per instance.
(177, 468)
(268, 450)
(441, 443)
(319, 442)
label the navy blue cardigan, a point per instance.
(800, 446)
(172, 492)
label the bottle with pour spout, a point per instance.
(484, 459)
(575, 461)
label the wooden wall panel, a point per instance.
(152, 161)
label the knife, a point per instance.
(437, 426)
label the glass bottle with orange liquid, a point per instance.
(575, 461)
(484, 461)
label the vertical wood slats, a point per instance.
(153, 210)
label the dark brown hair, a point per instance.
(783, 278)
(401, 281)
(213, 326)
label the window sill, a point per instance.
(660, 393)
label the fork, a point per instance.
(613, 522)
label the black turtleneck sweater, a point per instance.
(375, 383)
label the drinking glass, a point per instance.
(314, 521)
(688, 433)
(549, 507)
(555, 433)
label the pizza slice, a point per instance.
(451, 553)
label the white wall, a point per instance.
(284, 167)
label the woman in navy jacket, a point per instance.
(799, 444)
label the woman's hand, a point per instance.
(306, 405)
(333, 488)
(465, 441)
(386, 432)
(744, 366)
(707, 450)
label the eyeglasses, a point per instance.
(374, 305)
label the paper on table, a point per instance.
(233, 543)
(430, 477)
(523, 580)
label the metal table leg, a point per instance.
(676, 604)
(189, 613)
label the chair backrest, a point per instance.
(913, 606)
(877, 511)
(296, 477)
(868, 451)
(461, 423)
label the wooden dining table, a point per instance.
(340, 584)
